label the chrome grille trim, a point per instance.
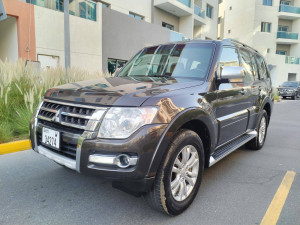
(78, 116)
(73, 104)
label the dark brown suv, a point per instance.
(172, 110)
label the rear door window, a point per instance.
(263, 72)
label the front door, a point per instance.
(234, 102)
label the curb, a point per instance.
(15, 146)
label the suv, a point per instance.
(171, 111)
(289, 89)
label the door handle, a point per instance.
(242, 91)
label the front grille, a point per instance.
(73, 116)
(70, 120)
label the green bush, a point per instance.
(22, 88)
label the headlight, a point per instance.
(122, 122)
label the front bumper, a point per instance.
(287, 94)
(141, 144)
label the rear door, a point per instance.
(234, 101)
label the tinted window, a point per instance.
(263, 72)
(246, 64)
(254, 66)
(229, 57)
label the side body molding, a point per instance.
(177, 122)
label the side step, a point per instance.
(225, 150)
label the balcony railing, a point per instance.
(289, 9)
(198, 11)
(287, 35)
(185, 2)
(292, 60)
(81, 8)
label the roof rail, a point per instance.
(238, 42)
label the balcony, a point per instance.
(289, 12)
(80, 8)
(292, 60)
(287, 38)
(199, 16)
(175, 7)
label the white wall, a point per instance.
(210, 30)
(86, 38)
(9, 40)
(141, 7)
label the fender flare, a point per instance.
(177, 122)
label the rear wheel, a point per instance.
(179, 176)
(283, 97)
(294, 97)
(258, 142)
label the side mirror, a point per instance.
(232, 74)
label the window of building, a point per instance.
(169, 26)
(220, 1)
(209, 11)
(139, 17)
(268, 50)
(114, 64)
(285, 2)
(229, 31)
(281, 52)
(266, 27)
(283, 28)
(267, 2)
(230, 8)
(292, 76)
(247, 65)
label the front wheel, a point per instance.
(179, 176)
(258, 142)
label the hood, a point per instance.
(118, 91)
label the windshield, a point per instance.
(176, 60)
(290, 84)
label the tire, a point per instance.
(283, 97)
(293, 97)
(161, 196)
(257, 143)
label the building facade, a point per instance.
(103, 34)
(270, 26)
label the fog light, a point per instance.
(122, 161)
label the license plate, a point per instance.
(51, 137)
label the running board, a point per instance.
(225, 150)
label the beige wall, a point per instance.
(86, 38)
(142, 7)
(163, 16)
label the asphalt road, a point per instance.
(237, 190)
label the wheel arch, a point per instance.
(194, 119)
